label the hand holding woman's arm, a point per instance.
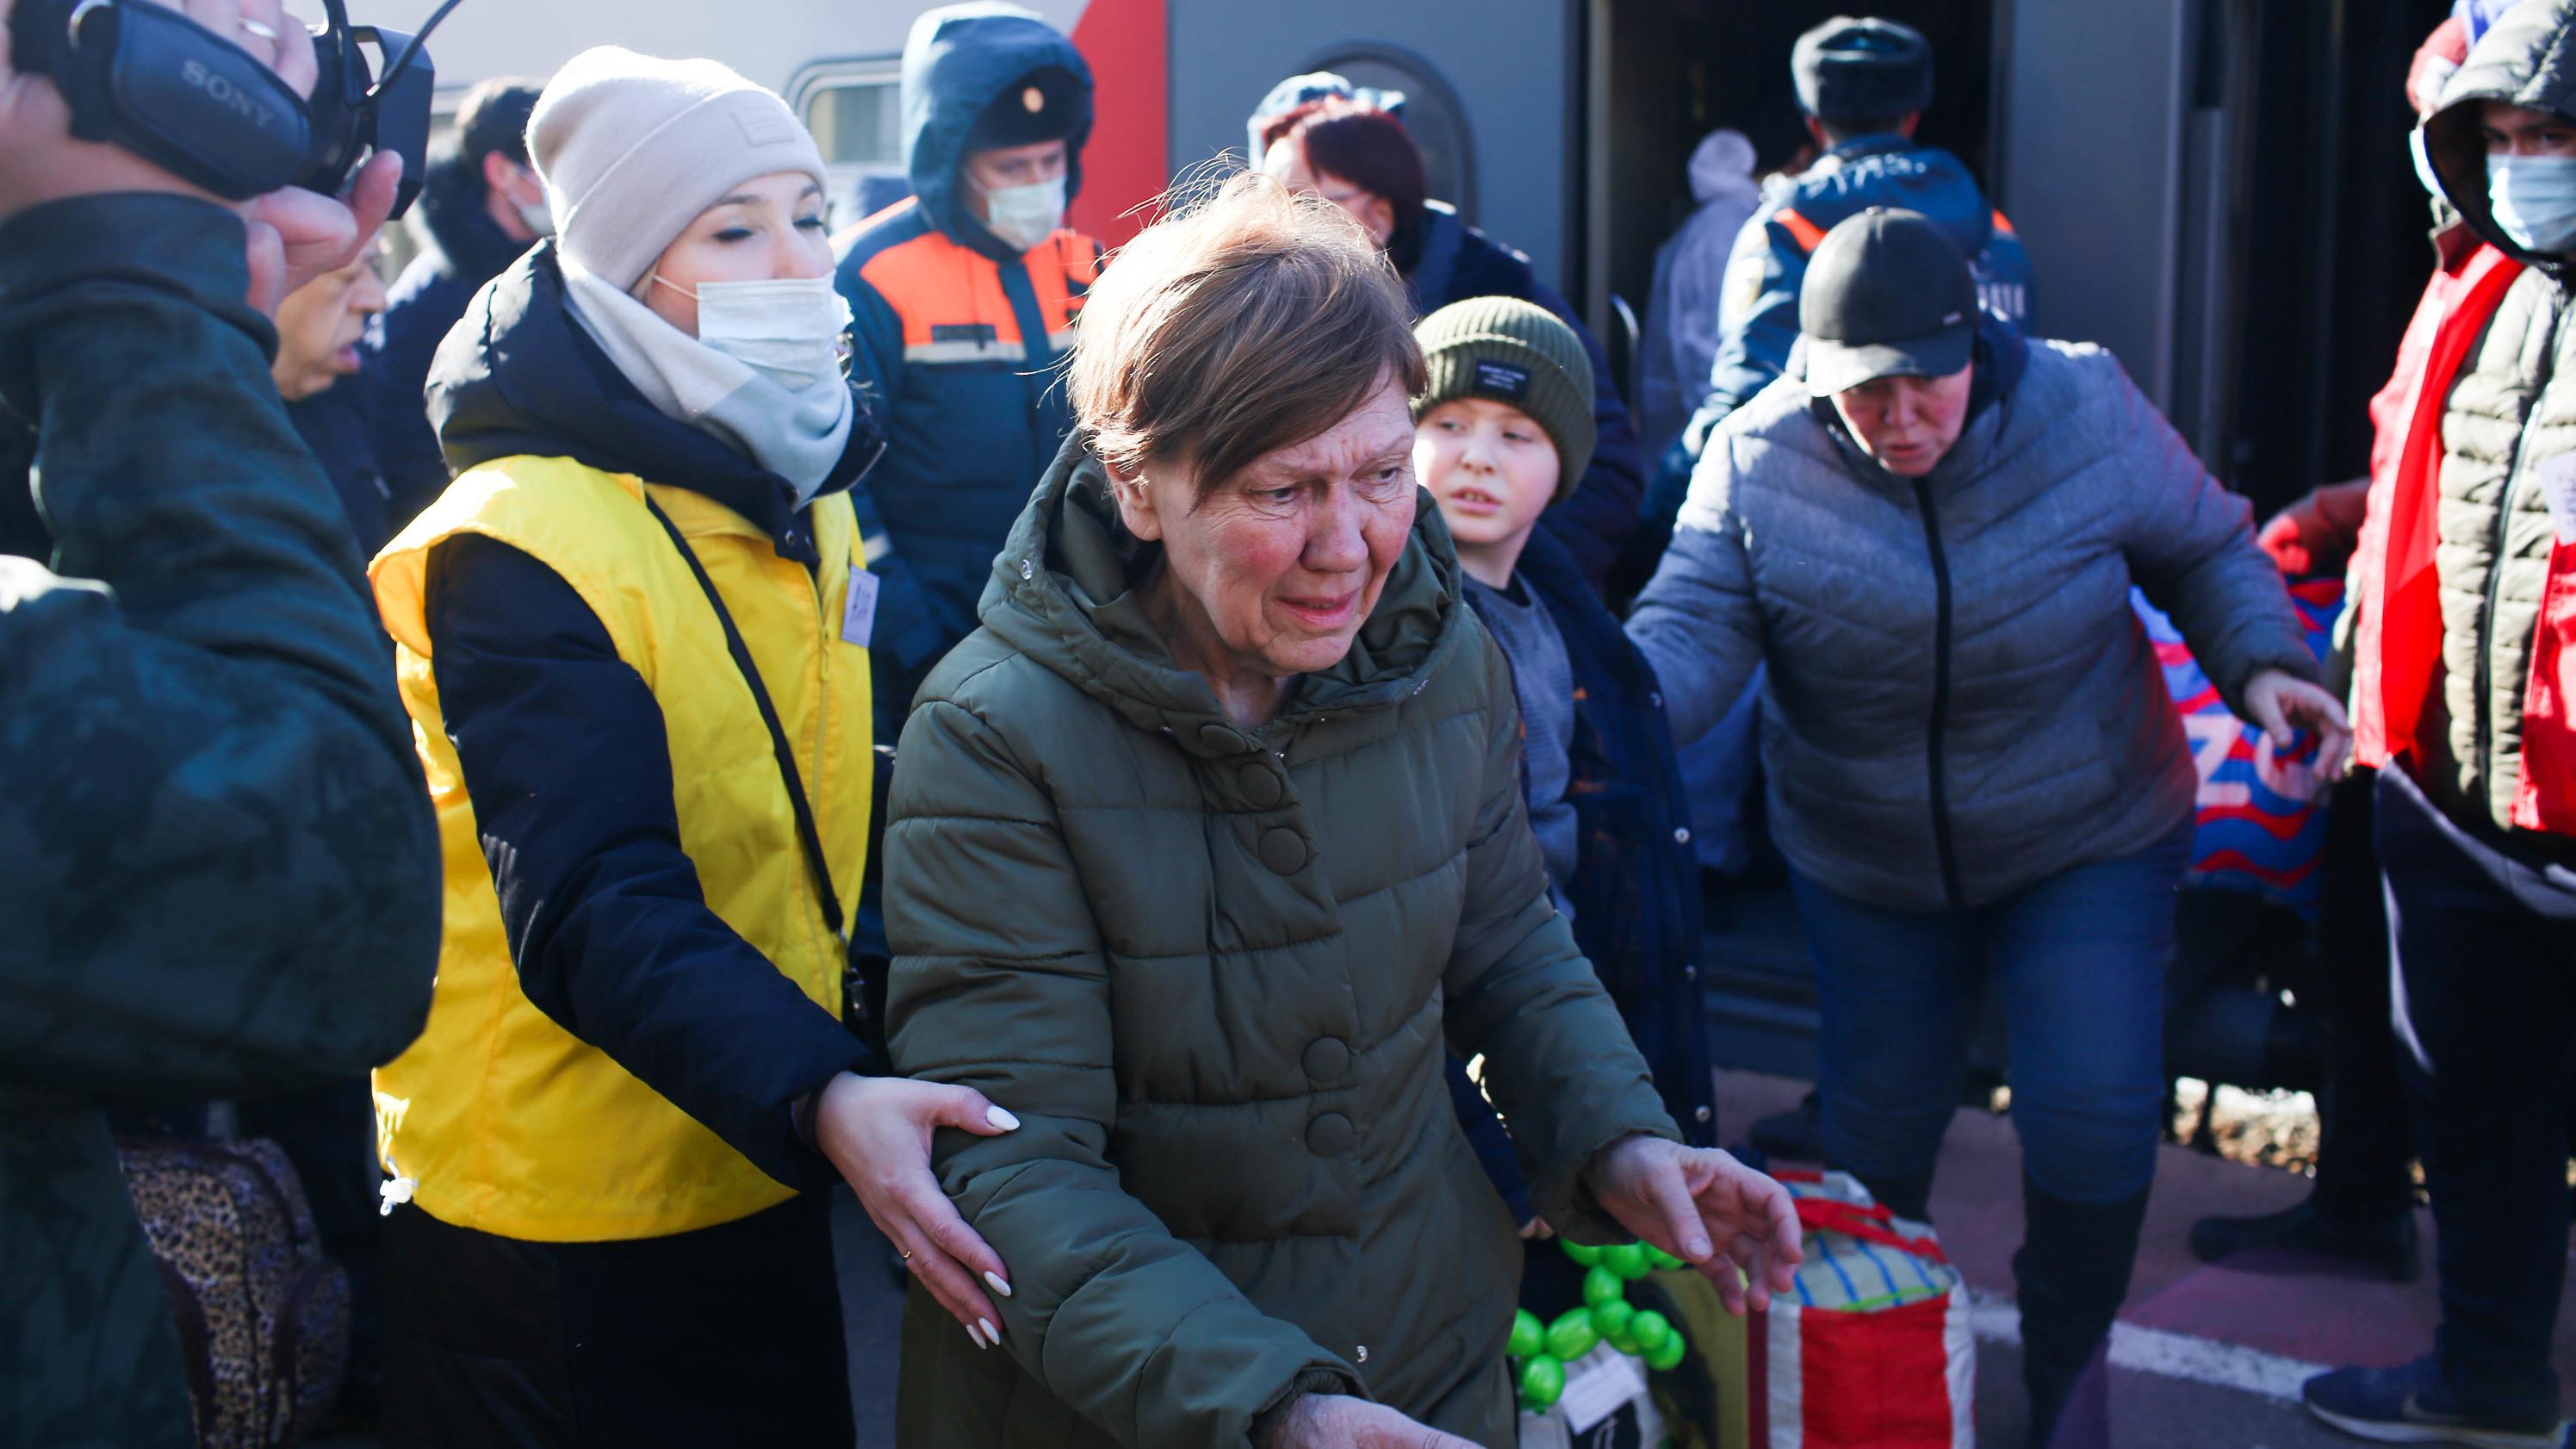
(1706, 1208)
(877, 1132)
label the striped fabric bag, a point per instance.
(1873, 1350)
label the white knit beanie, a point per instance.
(632, 148)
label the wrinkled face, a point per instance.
(2521, 131)
(1286, 559)
(1003, 167)
(1907, 423)
(768, 229)
(1490, 468)
(319, 326)
(1286, 164)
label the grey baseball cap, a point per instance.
(1886, 294)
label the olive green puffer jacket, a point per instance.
(1213, 973)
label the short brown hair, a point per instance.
(1248, 318)
(1367, 147)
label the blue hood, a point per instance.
(959, 59)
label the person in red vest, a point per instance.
(2462, 685)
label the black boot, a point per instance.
(1797, 1134)
(2384, 1243)
(2072, 1272)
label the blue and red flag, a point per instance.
(2262, 818)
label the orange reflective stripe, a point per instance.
(1807, 232)
(2003, 223)
(1058, 275)
(937, 286)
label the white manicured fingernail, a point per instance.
(979, 1338)
(994, 1282)
(1001, 1119)
(990, 1331)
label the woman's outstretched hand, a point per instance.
(1335, 1421)
(877, 1132)
(2281, 703)
(1706, 1208)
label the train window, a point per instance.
(855, 110)
(857, 120)
(1432, 112)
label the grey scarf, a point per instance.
(798, 434)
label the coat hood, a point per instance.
(1062, 593)
(1722, 166)
(2528, 58)
(519, 377)
(958, 60)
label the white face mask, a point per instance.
(2534, 200)
(1023, 216)
(791, 330)
(536, 216)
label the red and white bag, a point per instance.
(1873, 1349)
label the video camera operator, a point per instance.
(221, 875)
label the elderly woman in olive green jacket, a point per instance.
(1204, 849)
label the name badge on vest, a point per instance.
(1496, 379)
(859, 618)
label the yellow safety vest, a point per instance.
(503, 1121)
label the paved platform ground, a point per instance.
(2204, 1358)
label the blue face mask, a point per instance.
(2534, 200)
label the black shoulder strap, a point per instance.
(806, 834)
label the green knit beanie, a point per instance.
(1516, 353)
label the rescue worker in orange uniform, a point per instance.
(964, 297)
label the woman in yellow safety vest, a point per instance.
(633, 641)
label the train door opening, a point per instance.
(1661, 74)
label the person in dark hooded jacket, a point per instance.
(482, 206)
(221, 873)
(964, 298)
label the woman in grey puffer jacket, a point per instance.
(1929, 530)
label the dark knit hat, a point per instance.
(1516, 353)
(1048, 104)
(1862, 68)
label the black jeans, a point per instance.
(726, 1335)
(2366, 1143)
(2485, 988)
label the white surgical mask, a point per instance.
(536, 216)
(1023, 216)
(788, 329)
(2534, 200)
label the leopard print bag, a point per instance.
(263, 1317)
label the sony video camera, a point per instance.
(155, 82)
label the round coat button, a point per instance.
(1327, 1059)
(1330, 1135)
(1681, 835)
(1261, 786)
(1283, 850)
